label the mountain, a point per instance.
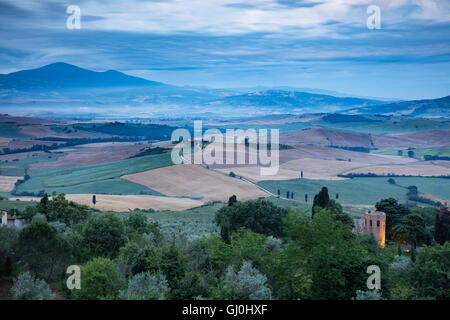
(73, 87)
(63, 76)
(422, 108)
(62, 88)
(293, 101)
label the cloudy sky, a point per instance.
(321, 44)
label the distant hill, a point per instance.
(63, 75)
(356, 141)
(428, 107)
(285, 101)
(62, 88)
(74, 87)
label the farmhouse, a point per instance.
(11, 221)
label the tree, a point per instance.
(69, 212)
(191, 287)
(413, 254)
(136, 224)
(232, 200)
(103, 235)
(128, 259)
(306, 197)
(8, 241)
(44, 251)
(28, 214)
(411, 229)
(225, 231)
(335, 208)
(301, 174)
(260, 216)
(100, 280)
(172, 265)
(247, 284)
(323, 259)
(145, 286)
(336, 260)
(430, 272)
(42, 206)
(320, 200)
(94, 200)
(394, 213)
(27, 287)
(442, 226)
(248, 245)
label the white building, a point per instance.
(11, 221)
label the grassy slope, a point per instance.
(20, 205)
(438, 187)
(419, 152)
(353, 191)
(11, 130)
(391, 126)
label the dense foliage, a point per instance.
(258, 251)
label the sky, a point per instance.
(323, 44)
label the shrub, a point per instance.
(400, 265)
(247, 284)
(27, 287)
(99, 280)
(368, 295)
(144, 286)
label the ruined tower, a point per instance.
(376, 224)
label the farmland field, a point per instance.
(359, 190)
(120, 203)
(419, 153)
(100, 178)
(7, 183)
(19, 205)
(195, 181)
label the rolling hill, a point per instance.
(354, 141)
(292, 101)
(427, 107)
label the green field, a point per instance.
(419, 153)
(439, 187)
(24, 163)
(365, 191)
(100, 178)
(392, 126)
(19, 205)
(11, 130)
